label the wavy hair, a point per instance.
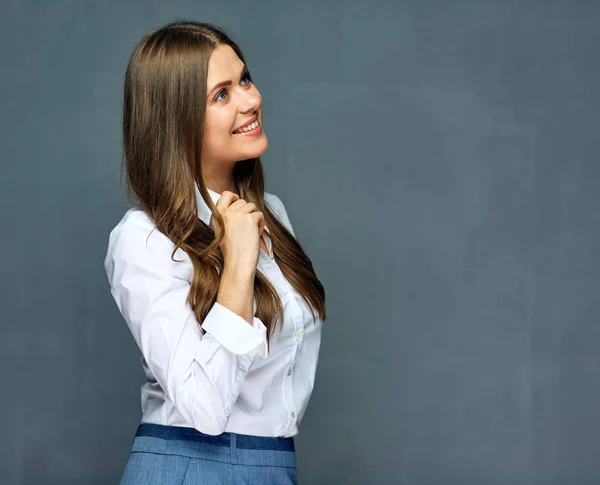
(163, 120)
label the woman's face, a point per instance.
(229, 107)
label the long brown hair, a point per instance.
(163, 121)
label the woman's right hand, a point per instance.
(243, 229)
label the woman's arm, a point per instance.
(200, 370)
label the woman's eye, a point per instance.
(246, 76)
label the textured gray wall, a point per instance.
(439, 162)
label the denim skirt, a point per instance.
(173, 455)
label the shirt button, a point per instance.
(293, 414)
(289, 372)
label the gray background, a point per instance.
(439, 163)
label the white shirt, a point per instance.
(221, 377)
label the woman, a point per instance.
(219, 296)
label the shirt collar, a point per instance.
(204, 212)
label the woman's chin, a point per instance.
(251, 148)
(259, 147)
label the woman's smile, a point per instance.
(256, 128)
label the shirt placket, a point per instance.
(289, 401)
(298, 335)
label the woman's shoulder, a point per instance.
(278, 208)
(134, 223)
(136, 234)
(273, 202)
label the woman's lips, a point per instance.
(253, 132)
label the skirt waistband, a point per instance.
(226, 447)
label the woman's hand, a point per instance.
(243, 228)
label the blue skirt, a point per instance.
(173, 455)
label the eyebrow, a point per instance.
(228, 82)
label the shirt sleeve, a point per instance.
(200, 369)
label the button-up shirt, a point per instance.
(217, 376)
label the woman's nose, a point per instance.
(251, 102)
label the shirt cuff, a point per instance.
(234, 333)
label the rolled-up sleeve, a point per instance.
(201, 368)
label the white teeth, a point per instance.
(250, 127)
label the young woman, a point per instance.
(206, 270)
